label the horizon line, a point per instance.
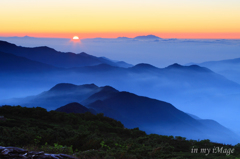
(200, 36)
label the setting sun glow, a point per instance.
(75, 38)
(111, 19)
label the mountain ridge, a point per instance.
(10, 63)
(50, 56)
(74, 108)
(131, 109)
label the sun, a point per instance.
(75, 38)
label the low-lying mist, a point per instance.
(188, 94)
(190, 89)
(161, 52)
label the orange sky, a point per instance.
(130, 35)
(129, 18)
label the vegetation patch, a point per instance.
(89, 136)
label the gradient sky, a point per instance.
(113, 18)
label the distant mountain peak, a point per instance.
(84, 54)
(175, 65)
(105, 58)
(5, 43)
(147, 37)
(69, 86)
(28, 37)
(92, 85)
(56, 58)
(44, 47)
(198, 68)
(123, 38)
(191, 67)
(73, 108)
(62, 87)
(73, 103)
(144, 66)
(109, 88)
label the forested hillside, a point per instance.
(96, 136)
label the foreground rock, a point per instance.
(18, 153)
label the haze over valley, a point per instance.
(151, 49)
(155, 99)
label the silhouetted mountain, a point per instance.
(192, 89)
(119, 63)
(74, 108)
(198, 76)
(154, 116)
(123, 38)
(213, 125)
(147, 67)
(142, 109)
(150, 115)
(50, 56)
(228, 68)
(62, 94)
(147, 37)
(175, 66)
(144, 66)
(188, 68)
(71, 88)
(186, 87)
(187, 84)
(10, 64)
(103, 94)
(194, 116)
(65, 93)
(177, 77)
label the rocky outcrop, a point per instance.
(18, 153)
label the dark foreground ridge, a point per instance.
(17, 153)
(89, 136)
